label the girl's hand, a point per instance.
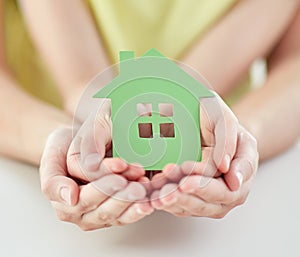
(222, 179)
(200, 195)
(108, 200)
(89, 155)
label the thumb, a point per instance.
(88, 148)
(226, 131)
(224, 128)
(96, 136)
(245, 162)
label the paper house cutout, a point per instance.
(158, 83)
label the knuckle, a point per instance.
(103, 121)
(222, 197)
(57, 135)
(90, 227)
(104, 216)
(85, 227)
(46, 188)
(220, 215)
(64, 216)
(101, 215)
(85, 206)
(198, 209)
(248, 137)
(242, 200)
(119, 223)
(252, 167)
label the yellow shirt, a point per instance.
(170, 26)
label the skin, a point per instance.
(18, 140)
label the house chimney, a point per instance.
(125, 57)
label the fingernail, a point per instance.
(140, 211)
(240, 178)
(92, 162)
(227, 161)
(65, 195)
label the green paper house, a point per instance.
(169, 131)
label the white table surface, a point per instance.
(266, 225)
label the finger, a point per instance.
(158, 181)
(106, 166)
(136, 212)
(245, 162)
(91, 196)
(219, 129)
(190, 205)
(155, 200)
(95, 193)
(210, 190)
(206, 167)
(225, 131)
(113, 207)
(53, 170)
(168, 198)
(89, 145)
(99, 124)
(173, 172)
(95, 139)
(146, 184)
(134, 172)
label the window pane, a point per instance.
(145, 130)
(165, 109)
(144, 109)
(167, 130)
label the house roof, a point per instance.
(152, 64)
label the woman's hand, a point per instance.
(109, 200)
(201, 195)
(222, 179)
(89, 155)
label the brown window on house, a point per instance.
(165, 109)
(145, 130)
(144, 109)
(167, 130)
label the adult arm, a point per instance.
(67, 39)
(272, 112)
(226, 53)
(249, 31)
(25, 121)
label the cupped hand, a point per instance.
(109, 200)
(89, 155)
(222, 179)
(201, 195)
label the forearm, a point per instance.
(246, 33)
(67, 39)
(25, 122)
(272, 112)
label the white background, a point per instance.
(266, 225)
